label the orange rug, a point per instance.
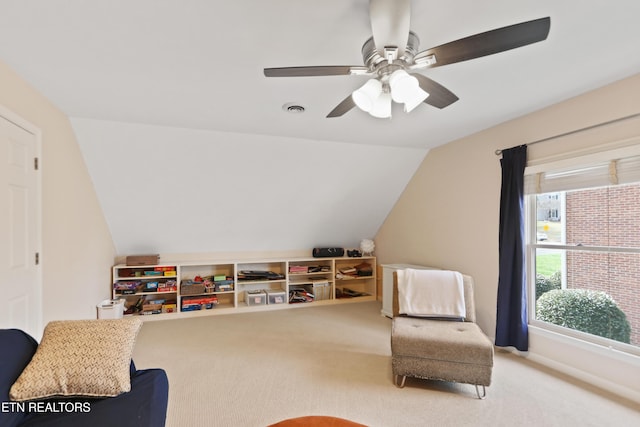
(316, 421)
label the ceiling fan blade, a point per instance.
(439, 96)
(327, 70)
(342, 108)
(487, 43)
(390, 22)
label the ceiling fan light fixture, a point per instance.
(416, 98)
(366, 96)
(425, 60)
(382, 106)
(389, 54)
(403, 86)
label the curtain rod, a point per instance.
(499, 152)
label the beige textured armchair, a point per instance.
(446, 350)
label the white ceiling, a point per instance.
(187, 143)
(198, 63)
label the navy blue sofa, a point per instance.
(145, 405)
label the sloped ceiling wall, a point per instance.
(173, 190)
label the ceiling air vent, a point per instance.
(293, 108)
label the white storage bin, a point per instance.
(111, 309)
(276, 296)
(255, 298)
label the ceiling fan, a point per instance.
(391, 56)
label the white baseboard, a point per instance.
(579, 349)
(587, 377)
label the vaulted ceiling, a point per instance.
(181, 130)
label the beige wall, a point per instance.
(448, 214)
(77, 249)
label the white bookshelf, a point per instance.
(173, 289)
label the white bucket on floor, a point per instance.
(111, 309)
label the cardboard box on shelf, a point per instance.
(142, 259)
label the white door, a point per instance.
(20, 282)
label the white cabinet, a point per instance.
(387, 284)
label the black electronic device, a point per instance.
(328, 252)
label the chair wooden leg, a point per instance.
(484, 392)
(395, 381)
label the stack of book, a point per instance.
(198, 303)
(298, 269)
(153, 307)
(259, 275)
(128, 287)
(361, 270)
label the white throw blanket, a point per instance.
(431, 293)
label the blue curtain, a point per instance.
(511, 319)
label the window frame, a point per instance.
(532, 244)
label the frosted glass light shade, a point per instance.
(403, 85)
(366, 96)
(376, 98)
(382, 106)
(415, 99)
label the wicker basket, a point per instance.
(190, 288)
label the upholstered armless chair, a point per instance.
(446, 350)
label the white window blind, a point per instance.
(596, 171)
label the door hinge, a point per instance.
(37, 258)
(35, 163)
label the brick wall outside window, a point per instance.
(606, 217)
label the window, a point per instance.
(583, 244)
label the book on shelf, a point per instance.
(259, 275)
(298, 269)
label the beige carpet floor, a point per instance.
(254, 369)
